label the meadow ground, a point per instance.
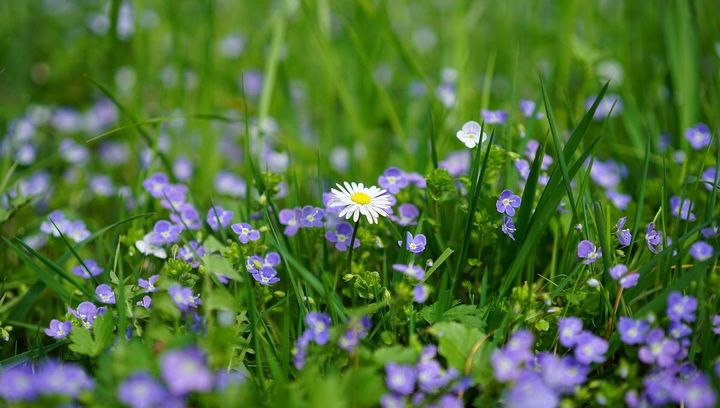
(436, 203)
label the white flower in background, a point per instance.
(372, 202)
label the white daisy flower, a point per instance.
(470, 134)
(357, 200)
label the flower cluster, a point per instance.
(57, 224)
(295, 218)
(426, 383)
(318, 332)
(670, 378)
(263, 269)
(22, 383)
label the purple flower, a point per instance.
(420, 293)
(653, 238)
(311, 217)
(62, 379)
(633, 331)
(697, 392)
(319, 327)
(155, 184)
(710, 232)
(183, 297)
(149, 285)
(681, 308)
(587, 251)
(507, 203)
(606, 174)
(530, 391)
(164, 232)
(658, 349)
(183, 168)
(58, 330)
(255, 263)
(290, 218)
(18, 384)
(701, 251)
(391, 400)
(506, 366)
(267, 276)
(679, 330)
(217, 217)
(431, 376)
(619, 200)
(620, 273)
(229, 184)
(245, 232)
(568, 330)
(414, 244)
(140, 390)
(610, 105)
(562, 374)
(590, 348)
(341, 236)
(659, 385)
(523, 168)
(393, 180)
(508, 227)
(411, 270)
(520, 345)
(87, 312)
(89, 268)
(191, 253)
(708, 178)
(173, 196)
(185, 371)
(105, 294)
(416, 179)
(623, 235)
(682, 210)
(357, 329)
(400, 378)
(146, 302)
(406, 215)
(527, 107)
(494, 117)
(186, 216)
(699, 136)
(456, 163)
(299, 352)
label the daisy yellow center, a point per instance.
(360, 198)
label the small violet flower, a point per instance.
(393, 180)
(507, 203)
(105, 294)
(245, 232)
(588, 252)
(414, 244)
(59, 330)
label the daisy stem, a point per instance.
(352, 244)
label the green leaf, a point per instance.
(394, 354)
(455, 342)
(82, 341)
(93, 344)
(218, 265)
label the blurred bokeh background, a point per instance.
(359, 84)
